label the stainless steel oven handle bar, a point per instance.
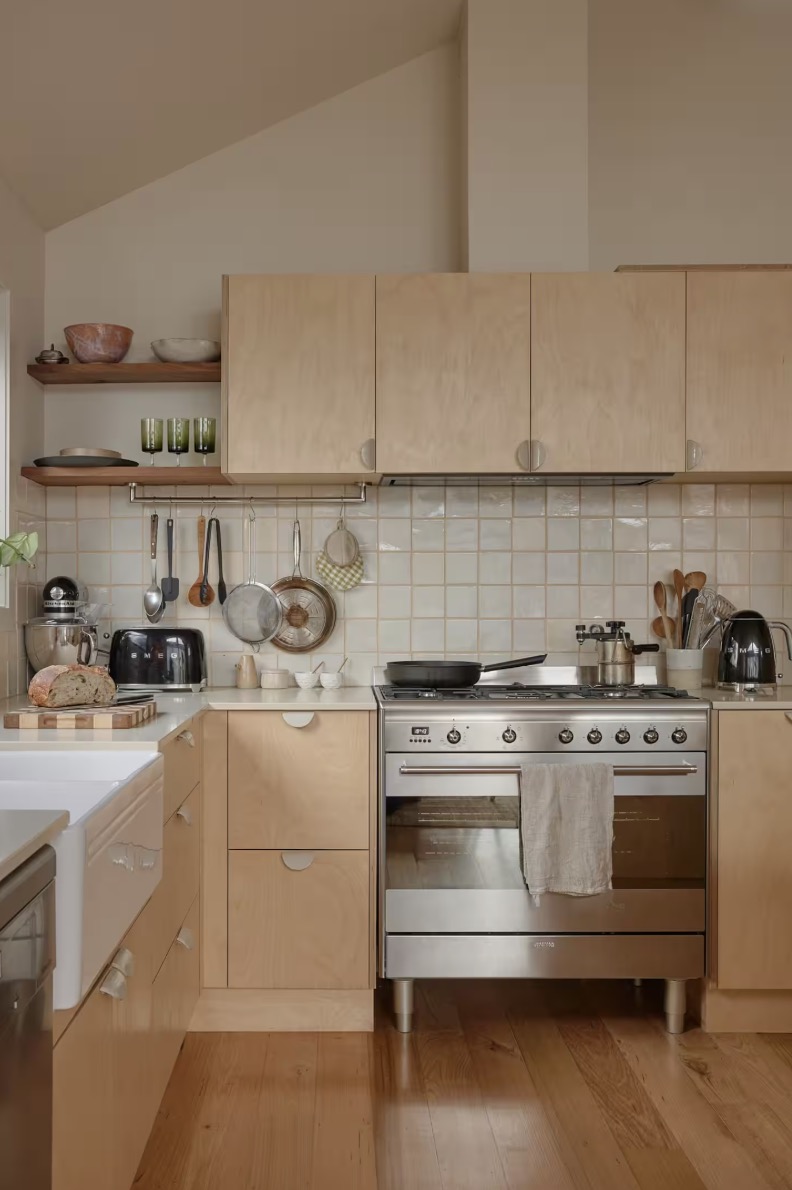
(677, 770)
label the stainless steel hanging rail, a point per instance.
(135, 497)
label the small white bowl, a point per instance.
(306, 681)
(275, 679)
(332, 681)
(186, 351)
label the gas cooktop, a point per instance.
(520, 692)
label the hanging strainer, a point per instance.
(309, 613)
(252, 610)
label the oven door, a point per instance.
(452, 848)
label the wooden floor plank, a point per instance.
(566, 1096)
(284, 1116)
(530, 1151)
(466, 1151)
(343, 1139)
(403, 1136)
(712, 1149)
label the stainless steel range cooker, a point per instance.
(452, 898)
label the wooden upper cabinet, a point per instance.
(453, 372)
(298, 377)
(753, 872)
(739, 370)
(608, 372)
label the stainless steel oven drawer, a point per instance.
(512, 911)
(560, 956)
(495, 775)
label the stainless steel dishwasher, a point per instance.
(27, 959)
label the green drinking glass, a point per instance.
(151, 436)
(178, 437)
(204, 436)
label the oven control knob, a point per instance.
(565, 736)
(509, 735)
(453, 736)
(651, 736)
(594, 736)
(622, 736)
(679, 735)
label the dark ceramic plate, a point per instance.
(83, 461)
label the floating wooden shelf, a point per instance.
(118, 477)
(147, 373)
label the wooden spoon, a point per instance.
(659, 630)
(695, 580)
(679, 588)
(194, 593)
(661, 598)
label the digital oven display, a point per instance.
(420, 730)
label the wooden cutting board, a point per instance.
(101, 718)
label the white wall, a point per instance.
(690, 132)
(526, 120)
(22, 273)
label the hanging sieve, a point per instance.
(252, 611)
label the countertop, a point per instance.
(23, 832)
(175, 709)
(727, 700)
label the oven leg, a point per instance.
(403, 1004)
(675, 1004)
(637, 983)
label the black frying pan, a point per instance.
(448, 675)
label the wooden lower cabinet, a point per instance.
(753, 870)
(113, 1062)
(298, 919)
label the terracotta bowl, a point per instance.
(98, 342)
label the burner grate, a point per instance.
(518, 692)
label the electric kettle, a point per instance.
(747, 656)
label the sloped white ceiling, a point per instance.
(99, 97)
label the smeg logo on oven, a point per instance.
(543, 944)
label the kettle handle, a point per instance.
(779, 624)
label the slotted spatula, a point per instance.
(170, 585)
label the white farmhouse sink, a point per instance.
(108, 859)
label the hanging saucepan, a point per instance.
(309, 613)
(448, 675)
(252, 611)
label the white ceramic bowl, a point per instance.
(332, 681)
(275, 679)
(307, 681)
(186, 351)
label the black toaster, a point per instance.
(158, 659)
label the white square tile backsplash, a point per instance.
(461, 571)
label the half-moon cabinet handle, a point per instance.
(114, 985)
(297, 861)
(298, 718)
(186, 938)
(368, 454)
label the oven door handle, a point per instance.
(675, 770)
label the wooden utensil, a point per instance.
(661, 599)
(679, 588)
(194, 593)
(659, 630)
(695, 580)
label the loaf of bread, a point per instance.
(72, 686)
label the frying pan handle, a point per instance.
(514, 664)
(297, 573)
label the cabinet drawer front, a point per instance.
(180, 874)
(173, 997)
(297, 787)
(182, 766)
(299, 926)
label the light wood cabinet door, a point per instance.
(298, 787)
(608, 372)
(739, 370)
(298, 376)
(182, 757)
(83, 1099)
(298, 919)
(754, 873)
(175, 893)
(453, 372)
